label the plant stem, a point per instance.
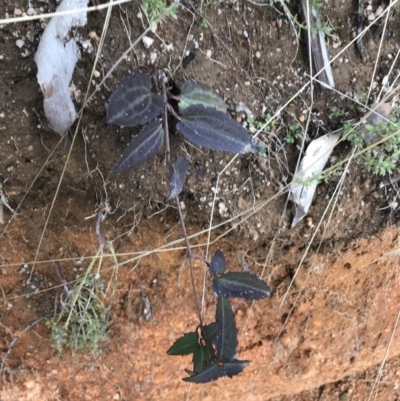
(173, 112)
(190, 255)
(161, 77)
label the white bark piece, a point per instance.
(302, 188)
(56, 58)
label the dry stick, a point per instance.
(190, 255)
(379, 52)
(186, 42)
(376, 383)
(388, 75)
(61, 13)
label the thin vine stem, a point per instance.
(190, 254)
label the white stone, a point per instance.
(147, 42)
(20, 43)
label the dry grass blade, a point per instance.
(99, 7)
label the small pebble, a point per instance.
(147, 41)
(87, 46)
(379, 11)
(20, 43)
(93, 36)
(17, 11)
(153, 57)
(258, 54)
(96, 73)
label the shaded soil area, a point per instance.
(327, 326)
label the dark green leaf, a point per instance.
(211, 128)
(210, 374)
(178, 174)
(196, 93)
(226, 331)
(218, 263)
(189, 372)
(143, 146)
(202, 358)
(211, 332)
(241, 285)
(185, 345)
(216, 371)
(233, 368)
(133, 102)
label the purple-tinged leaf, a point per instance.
(178, 173)
(202, 358)
(189, 372)
(133, 102)
(195, 93)
(185, 345)
(143, 146)
(240, 285)
(227, 332)
(214, 129)
(209, 374)
(218, 263)
(215, 371)
(233, 368)
(210, 331)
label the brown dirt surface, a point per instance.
(329, 331)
